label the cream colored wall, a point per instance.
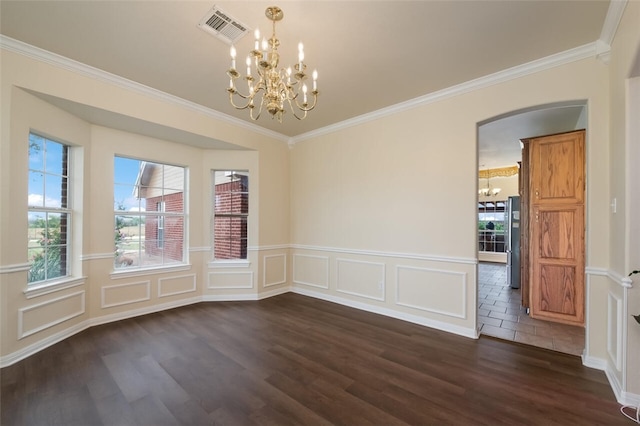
(623, 233)
(22, 317)
(400, 192)
(32, 320)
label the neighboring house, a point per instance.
(231, 208)
(163, 233)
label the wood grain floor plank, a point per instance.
(295, 360)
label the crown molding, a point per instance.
(599, 49)
(609, 28)
(97, 74)
(556, 60)
(612, 20)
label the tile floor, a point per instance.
(501, 315)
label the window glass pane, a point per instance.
(129, 236)
(173, 179)
(125, 193)
(173, 202)
(151, 190)
(54, 158)
(36, 189)
(230, 238)
(492, 226)
(172, 251)
(53, 191)
(231, 208)
(36, 152)
(37, 225)
(47, 246)
(49, 215)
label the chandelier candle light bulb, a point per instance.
(233, 57)
(274, 89)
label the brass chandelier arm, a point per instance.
(273, 87)
(305, 105)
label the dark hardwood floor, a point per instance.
(294, 360)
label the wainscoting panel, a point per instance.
(360, 278)
(38, 317)
(222, 280)
(614, 329)
(275, 270)
(311, 270)
(176, 285)
(124, 294)
(432, 290)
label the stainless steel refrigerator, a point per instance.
(513, 242)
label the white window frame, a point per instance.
(66, 210)
(129, 270)
(233, 262)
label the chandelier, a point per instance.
(488, 191)
(272, 88)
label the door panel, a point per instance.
(556, 227)
(558, 290)
(557, 284)
(557, 168)
(557, 239)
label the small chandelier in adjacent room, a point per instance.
(272, 88)
(488, 191)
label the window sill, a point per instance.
(52, 286)
(239, 263)
(126, 273)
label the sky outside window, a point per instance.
(125, 176)
(45, 172)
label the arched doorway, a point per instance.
(500, 311)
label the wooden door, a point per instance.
(556, 227)
(523, 184)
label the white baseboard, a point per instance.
(40, 345)
(461, 331)
(143, 311)
(29, 350)
(595, 363)
(623, 398)
(243, 297)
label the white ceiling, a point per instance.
(369, 54)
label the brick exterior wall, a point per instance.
(172, 243)
(230, 232)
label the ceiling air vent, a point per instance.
(223, 26)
